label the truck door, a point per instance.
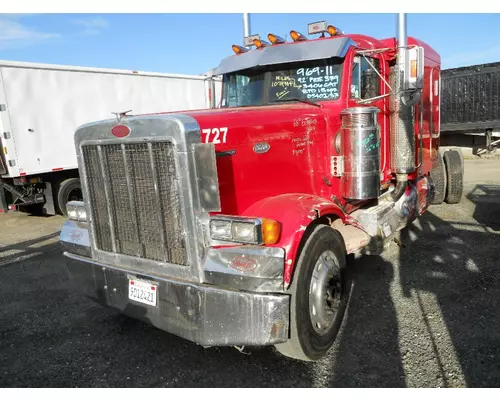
(367, 88)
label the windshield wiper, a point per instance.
(312, 103)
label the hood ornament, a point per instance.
(120, 115)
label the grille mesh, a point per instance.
(128, 211)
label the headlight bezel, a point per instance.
(231, 221)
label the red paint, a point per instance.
(22, 173)
(57, 169)
(153, 288)
(287, 185)
(120, 131)
(295, 212)
(131, 282)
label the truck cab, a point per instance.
(231, 226)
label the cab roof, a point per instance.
(287, 53)
(313, 49)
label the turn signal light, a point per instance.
(275, 39)
(413, 70)
(296, 36)
(271, 231)
(239, 49)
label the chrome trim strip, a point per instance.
(130, 194)
(154, 175)
(431, 112)
(107, 190)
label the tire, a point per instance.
(306, 342)
(454, 175)
(438, 176)
(67, 190)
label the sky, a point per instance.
(193, 43)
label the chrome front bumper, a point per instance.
(205, 313)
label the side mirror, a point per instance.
(211, 77)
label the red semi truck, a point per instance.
(232, 226)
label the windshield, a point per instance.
(312, 80)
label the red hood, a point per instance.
(268, 150)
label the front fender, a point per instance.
(295, 212)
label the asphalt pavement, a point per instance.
(422, 315)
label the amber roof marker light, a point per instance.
(260, 43)
(333, 30)
(297, 36)
(239, 49)
(275, 39)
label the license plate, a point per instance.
(141, 291)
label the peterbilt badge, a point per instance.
(120, 131)
(261, 148)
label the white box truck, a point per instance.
(42, 105)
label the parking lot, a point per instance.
(425, 314)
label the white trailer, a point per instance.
(42, 105)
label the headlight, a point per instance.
(76, 210)
(245, 230)
(220, 230)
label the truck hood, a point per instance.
(265, 151)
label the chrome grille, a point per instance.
(134, 200)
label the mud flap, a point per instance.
(4, 207)
(48, 207)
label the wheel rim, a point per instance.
(325, 292)
(75, 195)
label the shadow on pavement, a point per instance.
(460, 272)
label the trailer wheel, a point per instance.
(454, 176)
(68, 190)
(318, 296)
(438, 176)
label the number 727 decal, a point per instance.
(215, 135)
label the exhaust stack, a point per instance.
(402, 133)
(246, 27)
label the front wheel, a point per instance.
(319, 295)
